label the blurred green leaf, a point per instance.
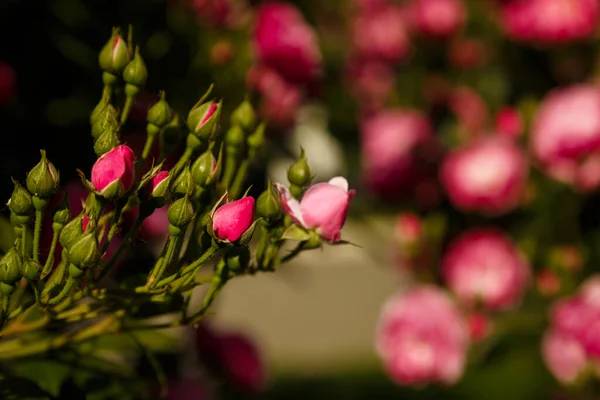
(48, 375)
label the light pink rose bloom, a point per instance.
(323, 207)
(549, 21)
(483, 266)
(437, 18)
(382, 34)
(232, 220)
(113, 173)
(488, 175)
(422, 338)
(509, 122)
(285, 42)
(565, 136)
(391, 140)
(563, 356)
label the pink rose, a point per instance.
(470, 109)
(565, 136)
(484, 266)
(488, 175)
(371, 82)
(422, 338)
(232, 220)
(409, 229)
(324, 207)
(437, 18)
(113, 173)
(509, 122)
(563, 356)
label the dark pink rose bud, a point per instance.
(488, 175)
(241, 363)
(422, 337)
(437, 18)
(391, 140)
(509, 122)
(232, 220)
(382, 34)
(84, 222)
(479, 326)
(549, 21)
(483, 266)
(158, 184)
(563, 356)
(323, 207)
(8, 83)
(113, 173)
(286, 43)
(565, 136)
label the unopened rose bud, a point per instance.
(159, 186)
(43, 180)
(479, 326)
(113, 173)
(31, 269)
(107, 119)
(107, 141)
(204, 169)
(85, 251)
(180, 213)
(299, 173)
(10, 267)
(184, 184)
(19, 220)
(114, 56)
(235, 139)
(62, 212)
(102, 104)
(256, 140)
(202, 121)
(268, 204)
(237, 259)
(20, 201)
(509, 122)
(160, 113)
(135, 74)
(244, 116)
(232, 220)
(71, 231)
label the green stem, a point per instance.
(126, 109)
(159, 269)
(209, 298)
(262, 244)
(128, 237)
(37, 233)
(57, 277)
(64, 292)
(187, 154)
(195, 266)
(24, 240)
(50, 260)
(114, 227)
(230, 165)
(236, 186)
(148, 145)
(4, 311)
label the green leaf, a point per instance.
(294, 232)
(48, 375)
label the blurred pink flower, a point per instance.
(479, 326)
(469, 108)
(509, 122)
(437, 18)
(382, 34)
(565, 137)
(225, 13)
(8, 83)
(467, 53)
(483, 266)
(563, 356)
(391, 140)
(549, 21)
(370, 5)
(155, 228)
(422, 338)
(371, 82)
(285, 42)
(488, 175)
(409, 229)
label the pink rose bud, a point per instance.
(158, 182)
(113, 173)
(483, 266)
(390, 142)
(84, 222)
(382, 34)
(488, 175)
(241, 363)
(563, 356)
(422, 338)
(232, 220)
(8, 81)
(549, 21)
(470, 109)
(509, 122)
(565, 136)
(409, 229)
(479, 326)
(286, 43)
(437, 18)
(323, 207)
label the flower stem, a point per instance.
(24, 240)
(162, 263)
(57, 277)
(50, 259)
(236, 186)
(214, 290)
(114, 227)
(187, 154)
(230, 166)
(126, 109)
(39, 215)
(64, 292)
(193, 267)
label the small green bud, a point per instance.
(204, 168)
(62, 212)
(31, 269)
(102, 104)
(135, 72)
(106, 120)
(256, 140)
(244, 116)
(10, 267)
(235, 138)
(71, 231)
(114, 56)
(184, 184)
(20, 201)
(203, 120)
(268, 204)
(237, 259)
(181, 212)
(299, 173)
(160, 113)
(43, 180)
(19, 220)
(84, 252)
(315, 241)
(107, 141)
